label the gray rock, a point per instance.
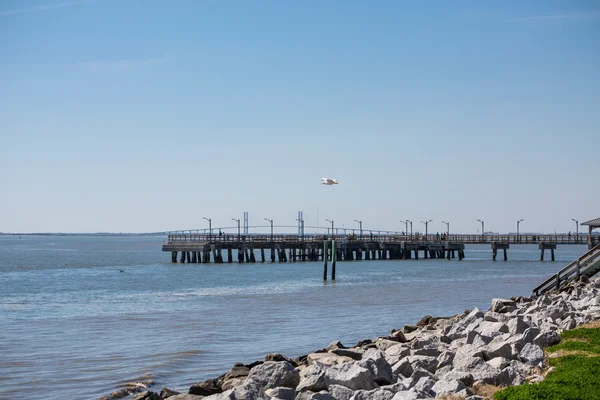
(499, 305)
(517, 325)
(442, 371)
(408, 328)
(497, 349)
(396, 387)
(445, 358)
(471, 320)
(375, 394)
(491, 329)
(327, 358)
(281, 393)
(341, 392)
(480, 370)
(568, 324)
(166, 393)
(205, 388)
(147, 395)
(383, 344)
(546, 339)
(312, 379)
(461, 394)
(396, 353)
(335, 345)
(532, 354)
(557, 310)
(425, 362)
(272, 374)
(322, 395)
(499, 362)
(530, 334)
(424, 385)
(417, 374)
(406, 395)
(250, 390)
(381, 370)
(475, 397)
(187, 396)
(462, 376)
(468, 350)
(432, 351)
(398, 336)
(422, 342)
(350, 375)
(233, 383)
(403, 367)
(448, 386)
(352, 353)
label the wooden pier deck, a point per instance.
(202, 248)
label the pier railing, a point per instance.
(308, 238)
(588, 264)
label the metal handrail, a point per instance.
(575, 268)
(385, 238)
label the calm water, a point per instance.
(75, 327)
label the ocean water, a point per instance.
(74, 327)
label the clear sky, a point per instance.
(147, 115)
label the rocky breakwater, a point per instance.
(439, 357)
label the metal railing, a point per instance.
(385, 238)
(587, 264)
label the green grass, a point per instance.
(576, 377)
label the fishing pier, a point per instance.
(250, 248)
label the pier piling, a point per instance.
(325, 260)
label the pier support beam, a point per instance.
(240, 256)
(333, 258)
(543, 246)
(262, 254)
(252, 258)
(499, 246)
(325, 260)
(173, 256)
(229, 256)
(194, 259)
(182, 259)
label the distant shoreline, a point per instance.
(83, 234)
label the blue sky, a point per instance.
(147, 115)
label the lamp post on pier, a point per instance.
(271, 221)
(447, 229)
(238, 222)
(332, 234)
(360, 224)
(405, 226)
(482, 230)
(576, 230)
(209, 228)
(426, 223)
(518, 222)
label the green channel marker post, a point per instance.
(333, 257)
(325, 257)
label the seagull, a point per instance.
(329, 181)
(121, 270)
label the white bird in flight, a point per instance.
(329, 181)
